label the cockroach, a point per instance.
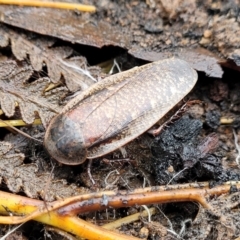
(116, 110)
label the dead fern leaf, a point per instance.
(40, 51)
(25, 177)
(30, 97)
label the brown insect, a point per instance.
(116, 110)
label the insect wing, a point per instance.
(142, 101)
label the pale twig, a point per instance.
(149, 214)
(237, 146)
(60, 232)
(168, 220)
(78, 69)
(183, 224)
(144, 182)
(115, 64)
(108, 175)
(11, 231)
(176, 175)
(170, 229)
(89, 166)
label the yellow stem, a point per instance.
(63, 5)
(129, 219)
(64, 218)
(17, 123)
(24, 206)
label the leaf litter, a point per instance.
(74, 27)
(30, 97)
(199, 59)
(140, 41)
(28, 178)
(20, 90)
(155, 35)
(77, 75)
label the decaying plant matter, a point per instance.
(26, 177)
(57, 59)
(62, 213)
(29, 97)
(41, 69)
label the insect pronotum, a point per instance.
(117, 109)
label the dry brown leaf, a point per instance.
(199, 59)
(25, 177)
(40, 51)
(30, 97)
(70, 26)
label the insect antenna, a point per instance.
(178, 114)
